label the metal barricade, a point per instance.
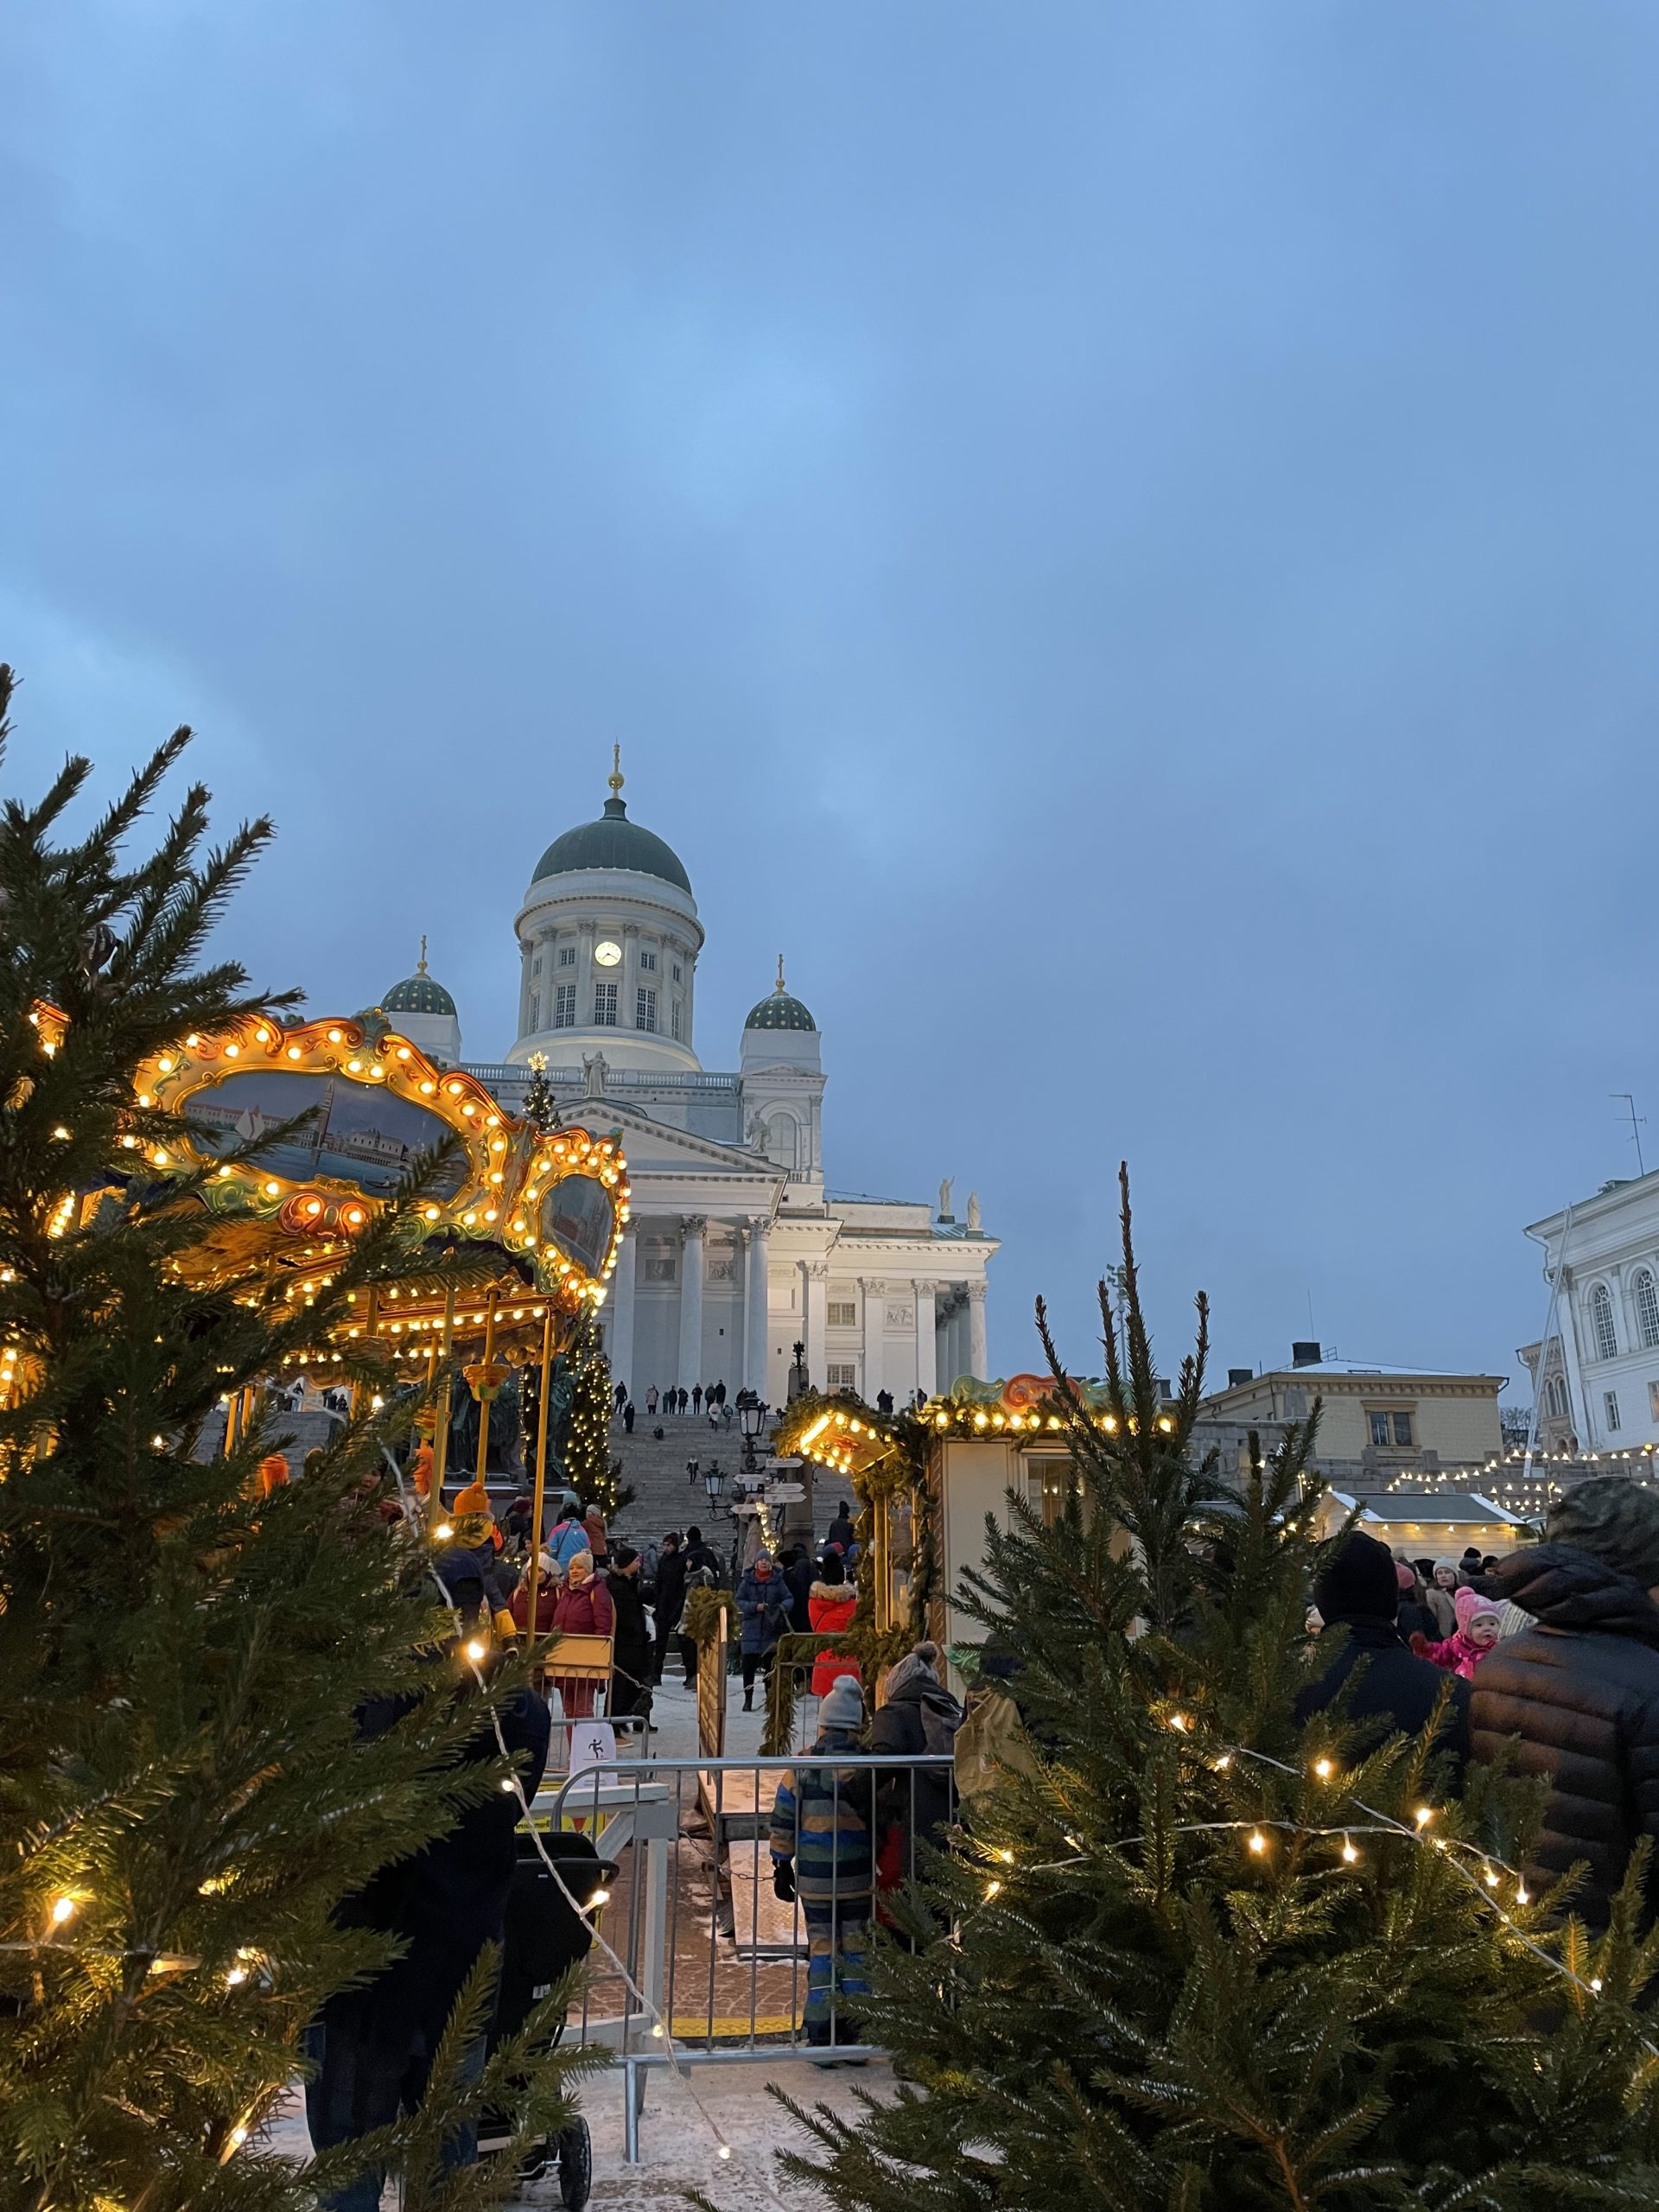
(715, 1967)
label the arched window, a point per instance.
(1555, 1398)
(1647, 1308)
(1601, 1322)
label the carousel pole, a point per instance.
(484, 1403)
(541, 1475)
(368, 1331)
(440, 1432)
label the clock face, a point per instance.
(608, 954)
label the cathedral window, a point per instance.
(604, 1006)
(1647, 1308)
(648, 961)
(567, 955)
(674, 1020)
(1601, 1323)
(842, 1314)
(677, 977)
(645, 1010)
(842, 1377)
(564, 1006)
(536, 965)
(535, 1009)
(1610, 1402)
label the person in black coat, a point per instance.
(919, 1718)
(669, 1601)
(1580, 1687)
(630, 1637)
(372, 2047)
(799, 1574)
(1357, 1594)
(841, 1528)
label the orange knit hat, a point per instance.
(473, 1499)
(273, 1473)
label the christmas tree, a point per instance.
(187, 1793)
(1198, 1955)
(589, 1468)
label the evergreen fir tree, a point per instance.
(1202, 1957)
(184, 1796)
(589, 1468)
(541, 1108)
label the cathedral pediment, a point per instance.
(652, 1146)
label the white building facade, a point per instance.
(736, 1250)
(1596, 1369)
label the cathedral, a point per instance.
(737, 1249)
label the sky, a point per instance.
(1120, 538)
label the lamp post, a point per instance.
(752, 1417)
(713, 1481)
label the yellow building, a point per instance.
(1376, 1424)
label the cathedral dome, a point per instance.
(612, 841)
(779, 1010)
(418, 994)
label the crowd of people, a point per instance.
(1553, 1650)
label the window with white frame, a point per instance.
(1610, 1406)
(645, 1010)
(564, 1006)
(648, 961)
(604, 1006)
(536, 965)
(535, 1009)
(842, 1314)
(840, 1375)
(1647, 1308)
(674, 1021)
(567, 955)
(1555, 1398)
(1601, 1331)
(677, 977)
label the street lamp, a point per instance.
(752, 1417)
(713, 1481)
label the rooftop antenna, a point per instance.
(1636, 1124)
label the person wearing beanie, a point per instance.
(629, 1699)
(1440, 1596)
(763, 1610)
(1413, 1616)
(568, 1534)
(583, 1608)
(822, 1837)
(1579, 1688)
(1476, 1634)
(1356, 1596)
(918, 1719)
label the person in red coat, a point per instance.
(584, 1608)
(830, 1604)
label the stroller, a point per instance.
(545, 1937)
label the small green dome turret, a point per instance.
(779, 1010)
(418, 993)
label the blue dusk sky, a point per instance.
(1123, 539)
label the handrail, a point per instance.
(647, 1770)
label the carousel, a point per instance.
(297, 1140)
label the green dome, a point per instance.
(417, 994)
(612, 841)
(779, 1011)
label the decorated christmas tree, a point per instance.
(1186, 1953)
(189, 1792)
(590, 1467)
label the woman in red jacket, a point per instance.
(584, 1608)
(830, 1604)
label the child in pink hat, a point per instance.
(1476, 1634)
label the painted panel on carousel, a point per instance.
(569, 1217)
(377, 1104)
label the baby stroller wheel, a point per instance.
(575, 2166)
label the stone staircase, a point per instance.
(666, 1498)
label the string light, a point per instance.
(63, 1908)
(1258, 1842)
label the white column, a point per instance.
(817, 1273)
(927, 1376)
(619, 1333)
(979, 1358)
(757, 1309)
(875, 1321)
(691, 1302)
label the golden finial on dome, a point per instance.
(616, 778)
(778, 986)
(419, 965)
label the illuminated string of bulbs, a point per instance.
(1455, 1852)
